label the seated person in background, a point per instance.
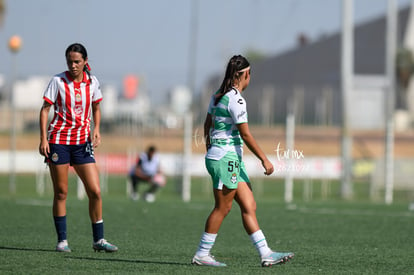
(147, 169)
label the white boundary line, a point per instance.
(33, 202)
(354, 212)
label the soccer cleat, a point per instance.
(62, 246)
(207, 260)
(134, 196)
(104, 245)
(149, 197)
(274, 258)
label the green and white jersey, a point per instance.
(224, 135)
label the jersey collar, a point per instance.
(84, 79)
(234, 88)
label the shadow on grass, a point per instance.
(27, 249)
(93, 259)
(129, 261)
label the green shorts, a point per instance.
(227, 171)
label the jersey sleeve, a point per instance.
(238, 110)
(97, 93)
(52, 90)
(141, 158)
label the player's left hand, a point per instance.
(96, 140)
(268, 166)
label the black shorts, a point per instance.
(72, 154)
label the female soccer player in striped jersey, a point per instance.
(225, 131)
(75, 95)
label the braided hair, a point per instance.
(79, 48)
(233, 72)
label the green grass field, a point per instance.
(328, 236)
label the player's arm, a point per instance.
(207, 126)
(159, 170)
(43, 117)
(96, 136)
(140, 174)
(254, 147)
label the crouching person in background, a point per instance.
(147, 170)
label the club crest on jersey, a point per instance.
(55, 157)
(78, 98)
(234, 178)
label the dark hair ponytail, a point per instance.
(79, 48)
(87, 69)
(235, 65)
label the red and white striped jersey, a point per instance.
(72, 103)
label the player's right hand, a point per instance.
(44, 148)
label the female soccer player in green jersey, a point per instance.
(225, 131)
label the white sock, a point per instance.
(62, 243)
(206, 243)
(259, 241)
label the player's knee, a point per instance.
(253, 206)
(94, 195)
(249, 208)
(227, 211)
(224, 209)
(61, 195)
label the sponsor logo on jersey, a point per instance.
(241, 114)
(78, 110)
(240, 101)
